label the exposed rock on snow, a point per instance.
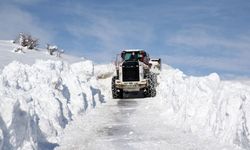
(207, 105)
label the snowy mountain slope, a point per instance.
(29, 57)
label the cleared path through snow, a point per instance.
(131, 124)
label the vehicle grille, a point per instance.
(130, 71)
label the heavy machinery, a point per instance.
(134, 74)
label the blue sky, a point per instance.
(198, 37)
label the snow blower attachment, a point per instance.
(135, 72)
(156, 65)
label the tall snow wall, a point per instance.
(207, 105)
(38, 101)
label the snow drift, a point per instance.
(38, 101)
(207, 105)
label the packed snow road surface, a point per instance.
(131, 124)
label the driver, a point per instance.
(133, 57)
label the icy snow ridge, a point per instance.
(38, 101)
(207, 105)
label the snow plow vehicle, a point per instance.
(134, 74)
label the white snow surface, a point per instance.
(207, 105)
(43, 104)
(38, 101)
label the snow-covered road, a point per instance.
(131, 124)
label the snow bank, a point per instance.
(104, 71)
(207, 105)
(38, 101)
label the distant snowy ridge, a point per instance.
(27, 56)
(207, 105)
(38, 101)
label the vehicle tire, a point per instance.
(116, 93)
(150, 90)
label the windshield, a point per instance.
(132, 56)
(127, 56)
